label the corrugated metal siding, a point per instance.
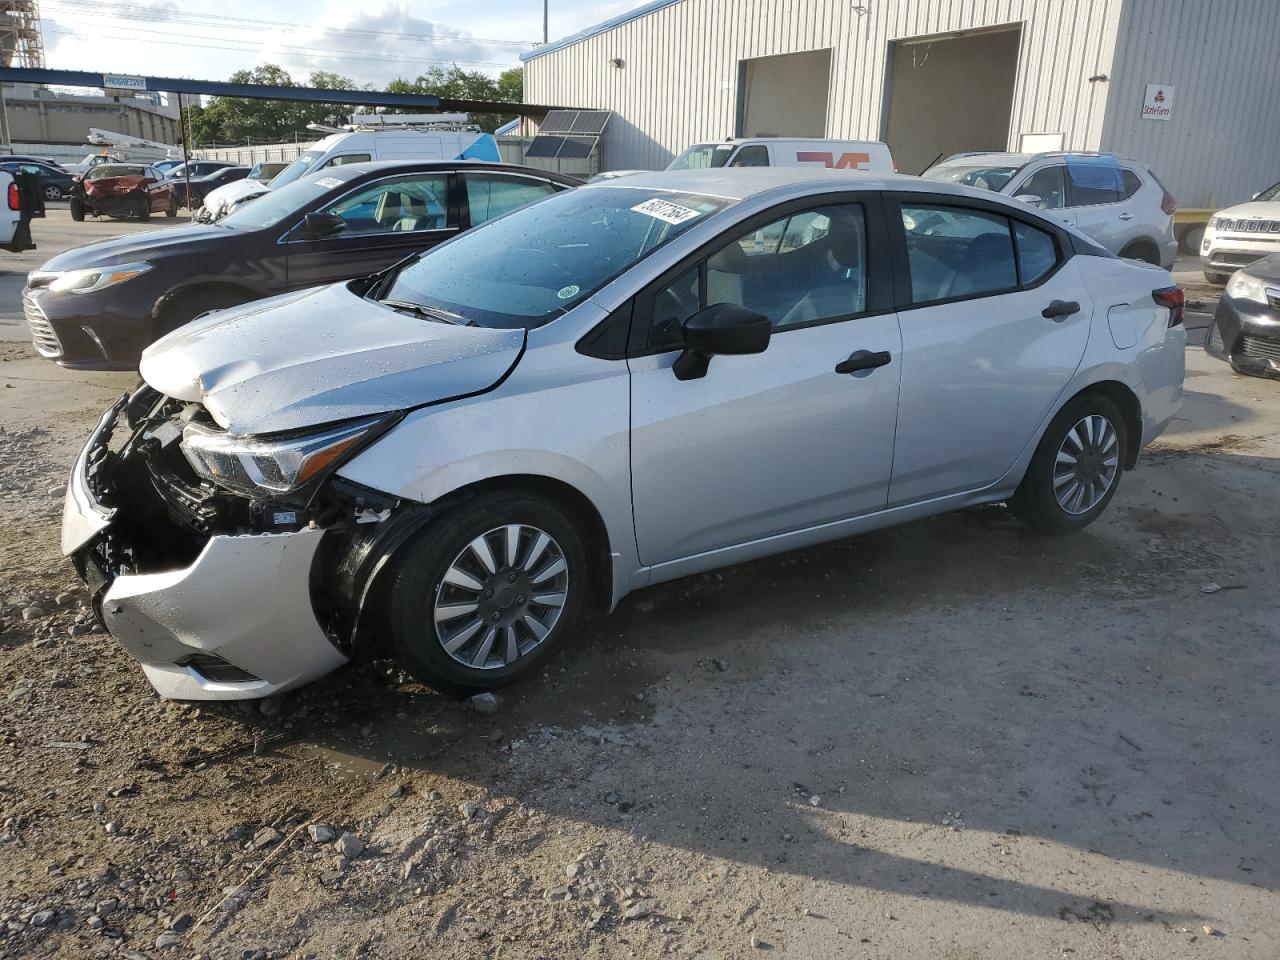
(1222, 57)
(679, 82)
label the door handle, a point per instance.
(1059, 310)
(863, 360)
(1126, 216)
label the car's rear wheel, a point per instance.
(1218, 279)
(1142, 251)
(142, 208)
(77, 209)
(487, 592)
(52, 191)
(1076, 468)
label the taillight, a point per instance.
(15, 197)
(1168, 204)
(1175, 298)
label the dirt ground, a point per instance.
(949, 740)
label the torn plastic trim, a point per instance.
(350, 563)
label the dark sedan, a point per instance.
(201, 187)
(98, 306)
(55, 183)
(1246, 327)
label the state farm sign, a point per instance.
(1158, 103)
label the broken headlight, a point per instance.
(272, 465)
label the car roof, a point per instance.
(1009, 159)
(742, 183)
(350, 171)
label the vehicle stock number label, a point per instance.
(666, 211)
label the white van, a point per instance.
(359, 146)
(870, 156)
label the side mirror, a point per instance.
(321, 225)
(1030, 198)
(722, 328)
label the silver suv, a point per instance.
(1119, 203)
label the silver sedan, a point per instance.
(451, 461)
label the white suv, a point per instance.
(1239, 235)
(1119, 203)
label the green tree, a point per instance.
(458, 84)
(236, 119)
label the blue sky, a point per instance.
(209, 39)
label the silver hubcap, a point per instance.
(1087, 464)
(501, 596)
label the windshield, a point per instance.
(1271, 193)
(981, 175)
(104, 170)
(534, 264)
(296, 169)
(278, 204)
(701, 156)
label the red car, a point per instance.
(122, 190)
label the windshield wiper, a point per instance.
(429, 313)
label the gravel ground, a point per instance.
(953, 739)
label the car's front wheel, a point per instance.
(487, 592)
(1217, 279)
(1076, 468)
(77, 210)
(142, 208)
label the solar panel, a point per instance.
(575, 148)
(545, 147)
(590, 122)
(558, 121)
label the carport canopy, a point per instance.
(258, 91)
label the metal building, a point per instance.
(1189, 86)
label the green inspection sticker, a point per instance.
(571, 290)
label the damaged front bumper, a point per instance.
(208, 615)
(1246, 334)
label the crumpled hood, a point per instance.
(1262, 209)
(135, 246)
(321, 355)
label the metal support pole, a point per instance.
(186, 154)
(544, 20)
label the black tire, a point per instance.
(1036, 503)
(142, 208)
(172, 210)
(418, 579)
(1141, 251)
(1190, 238)
(185, 307)
(77, 210)
(1217, 279)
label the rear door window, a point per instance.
(1091, 183)
(957, 252)
(491, 195)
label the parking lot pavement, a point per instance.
(54, 234)
(948, 739)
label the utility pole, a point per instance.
(186, 155)
(544, 20)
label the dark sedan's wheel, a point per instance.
(1076, 468)
(142, 208)
(52, 191)
(77, 209)
(185, 307)
(486, 593)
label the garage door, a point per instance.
(784, 96)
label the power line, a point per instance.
(178, 40)
(223, 22)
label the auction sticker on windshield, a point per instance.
(329, 182)
(666, 211)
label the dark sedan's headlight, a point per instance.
(93, 279)
(270, 466)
